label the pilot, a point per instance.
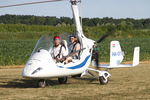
(58, 50)
(73, 47)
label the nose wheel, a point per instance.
(42, 83)
(62, 80)
(102, 80)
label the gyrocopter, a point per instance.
(41, 65)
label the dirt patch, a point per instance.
(11, 66)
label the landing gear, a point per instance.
(104, 77)
(62, 80)
(103, 80)
(42, 83)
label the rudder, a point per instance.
(116, 54)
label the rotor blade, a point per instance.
(29, 3)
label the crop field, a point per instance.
(18, 40)
(125, 84)
(16, 52)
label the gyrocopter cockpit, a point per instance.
(62, 48)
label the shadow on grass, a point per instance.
(26, 83)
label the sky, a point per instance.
(88, 8)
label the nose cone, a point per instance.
(38, 66)
(38, 70)
(26, 72)
(31, 69)
(30, 73)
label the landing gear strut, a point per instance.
(62, 80)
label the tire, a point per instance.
(42, 84)
(62, 80)
(102, 80)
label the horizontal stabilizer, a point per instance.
(118, 66)
(136, 56)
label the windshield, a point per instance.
(45, 42)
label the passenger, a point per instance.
(58, 50)
(73, 47)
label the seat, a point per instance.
(65, 44)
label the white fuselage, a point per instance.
(48, 68)
(41, 64)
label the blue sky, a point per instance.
(89, 8)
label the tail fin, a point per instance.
(136, 56)
(116, 57)
(116, 54)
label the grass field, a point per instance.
(17, 52)
(17, 40)
(125, 84)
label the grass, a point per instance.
(17, 52)
(127, 45)
(17, 40)
(22, 31)
(125, 84)
(14, 52)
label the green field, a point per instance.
(16, 52)
(17, 41)
(25, 32)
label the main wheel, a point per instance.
(102, 80)
(62, 80)
(42, 83)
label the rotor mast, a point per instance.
(75, 11)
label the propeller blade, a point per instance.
(103, 37)
(95, 57)
(109, 31)
(29, 3)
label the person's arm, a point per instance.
(77, 47)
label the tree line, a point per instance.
(67, 21)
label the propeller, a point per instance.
(103, 37)
(95, 54)
(29, 3)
